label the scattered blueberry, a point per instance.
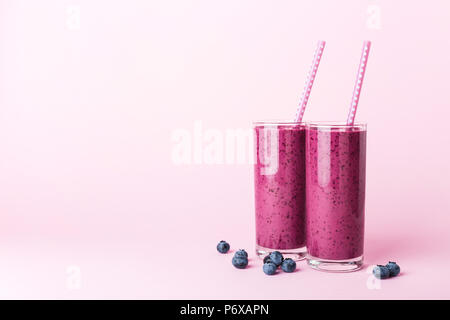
(223, 247)
(394, 268)
(288, 265)
(241, 253)
(269, 268)
(266, 259)
(239, 262)
(276, 257)
(381, 272)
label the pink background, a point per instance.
(89, 103)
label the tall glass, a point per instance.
(280, 188)
(335, 195)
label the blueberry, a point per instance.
(223, 247)
(276, 257)
(393, 268)
(288, 265)
(381, 272)
(239, 262)
(269, 268)
(266, 259)
(241, 253)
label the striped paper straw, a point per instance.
(358, 83)
(309, 81)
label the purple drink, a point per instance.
(280, 189)
(335, 177)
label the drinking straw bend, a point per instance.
(309, 81)
(358, 83)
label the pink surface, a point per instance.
(94, 95)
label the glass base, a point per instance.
(335, 265)
(295, 254)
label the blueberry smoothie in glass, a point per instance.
(335, 194)
(279, 173)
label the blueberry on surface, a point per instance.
(241, 253)
(223, 247)
(239, 262)
(266, 259)
(394, 269)
(269, 268)
(288, 265)
(381, 272)
(276, 257)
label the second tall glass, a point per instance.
(335, 194)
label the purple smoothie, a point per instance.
(336, 178)
(280, 186)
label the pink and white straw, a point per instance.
(358, 83)
(309, 81)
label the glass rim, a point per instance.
(278, 123)
(335, 125)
